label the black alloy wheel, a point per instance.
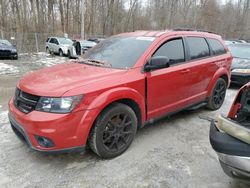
(113, 131)
(218, 95)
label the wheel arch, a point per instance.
(126, 96)
(221, 73)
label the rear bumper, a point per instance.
(240, 79)
(234, 155)
(235, 166)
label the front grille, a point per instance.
(25, 102)
(5, 52)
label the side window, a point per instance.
(198, 47)
(216, 47)
(56, 41)
(52, 40)
(172, 49)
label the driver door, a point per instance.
(167, 87)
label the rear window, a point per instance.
(216, 47)
(198, 47)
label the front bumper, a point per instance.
(69, 132)
(234, 155)
(8, 54)
(240, 79)
(23, 136)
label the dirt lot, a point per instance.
(174, 152)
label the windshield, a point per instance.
(240, 51)
(5, 42)
(65, 41)
(120, 51)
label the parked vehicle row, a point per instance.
(124, 82)
(80, 47)
(58, 45)
(67, 47)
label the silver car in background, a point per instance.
(80, 47)
(58, 45)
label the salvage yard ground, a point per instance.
(173, 152)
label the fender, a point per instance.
(220, 72)
(112, 95)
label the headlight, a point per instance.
(243, 71)
(58, 105)
(13, 50)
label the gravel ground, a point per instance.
(173, 152)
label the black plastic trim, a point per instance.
(224, 143)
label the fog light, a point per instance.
(44, 142)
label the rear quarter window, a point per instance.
(216, 47)
(198, 47)
(47, 40)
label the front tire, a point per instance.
(69, 55)
(217, 97)
(113, 131)
(60, 52)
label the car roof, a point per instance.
(153, 33)
(60, 38)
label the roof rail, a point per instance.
(191, 29)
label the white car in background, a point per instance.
(58, 45)
(80, 47)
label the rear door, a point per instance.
(52, 44)
(166, 87)
(56, 46)
(201, 69)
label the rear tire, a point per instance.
(217, 97)
(47, 50)
(113, 131)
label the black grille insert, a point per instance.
(25, 102)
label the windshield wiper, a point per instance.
(96, 62)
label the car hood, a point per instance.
(6, 47)
(239, 63)
(66, 45)
(56, 80)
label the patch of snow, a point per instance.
(4, 117)
(49, 61)
(8, 69)
(23, 54)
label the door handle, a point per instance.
(185, 71)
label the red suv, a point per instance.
(119, 85)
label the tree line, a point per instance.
(229, 18)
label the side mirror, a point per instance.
(157, 62)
